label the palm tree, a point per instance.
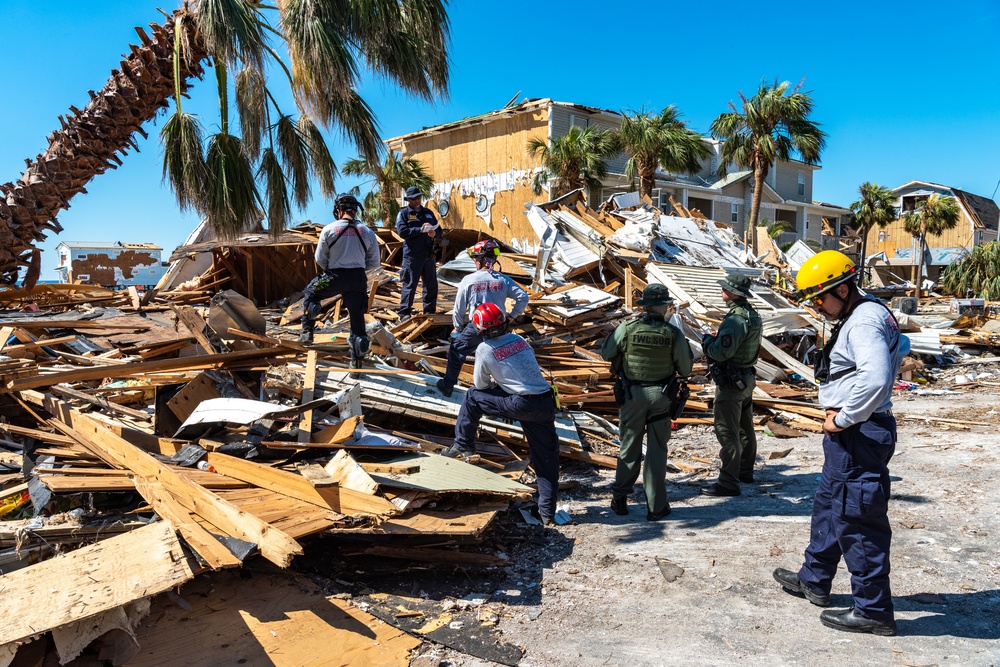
(977, 275)
(90, 140)
(394, 175)
(572, 161)
(769, 127)
(236, 179)
(653, 140)
(875, 208)
(933, 216)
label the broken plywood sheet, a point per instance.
(590, 299)
(417, 394)
(467, 521)
(275, 620)
(92, 580)
(441, 474)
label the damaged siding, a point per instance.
(126, 267)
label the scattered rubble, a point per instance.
(153, 440)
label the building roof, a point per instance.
(984, 211)
(489, 117)
(99, 245)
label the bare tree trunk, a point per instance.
(759, 175)
(88, 143)
(385, 196)
(647, 177)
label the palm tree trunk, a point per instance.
(647, 177)
(89, 141)
(758, 187)
(385, 195)
(863, 250)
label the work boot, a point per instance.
(791, 583)
(444, 388)
(620, 505)
(307, 331)
(715, 489)
(356, 362)
(456, 452)
(746, 479)
(849, 620)
(656, 516)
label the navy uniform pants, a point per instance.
(350, 284)
(414, 269)
(462, 346)
(537, 415)
(849, 515)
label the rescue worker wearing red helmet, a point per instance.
(856, 372)
(509, 385)
(484, 285)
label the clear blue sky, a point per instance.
(905, 90)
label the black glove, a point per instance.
(523, 318)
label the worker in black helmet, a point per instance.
(346, 250)
(419, 230)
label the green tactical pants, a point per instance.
(734, 429)
(644, 403)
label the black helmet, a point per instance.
(347, 203)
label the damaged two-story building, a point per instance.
(482, 175)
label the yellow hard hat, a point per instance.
(822, 272)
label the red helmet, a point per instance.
(486, 248)
(489, 320)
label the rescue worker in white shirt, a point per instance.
(509, 385)
(485, 285)
(856, 373)
(345, 251)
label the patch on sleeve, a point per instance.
(726, 340)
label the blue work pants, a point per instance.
(417, 268)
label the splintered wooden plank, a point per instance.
(340, 500)
(441, 474)
(184, 402)
(92, 580)
(208, 548)
(349, 474)
(274, 545)
(308, 390)
(69, 392)
(470, 521)
(315, 475)
(147, 367)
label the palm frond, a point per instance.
(294, 153)
(232, 30)
(231, 195)
(251, 107)
(279, 207)
(323, 167)
(183, 162)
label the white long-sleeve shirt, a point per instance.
(510, 362)
(347, 252)
(869, 341)
(485, 286)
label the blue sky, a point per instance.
(905, 90)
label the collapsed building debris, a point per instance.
(149, 439)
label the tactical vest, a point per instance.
(746, 354)
(648, 350)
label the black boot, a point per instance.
(307, 330)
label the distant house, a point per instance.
(978, 224)
(483, 175)
(109, 264)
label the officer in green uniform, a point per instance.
(732, 352)
(647, 352)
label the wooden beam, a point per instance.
(67, 392)
(195, 324)
(146, 368)
(340, 500)
(308, 390)
(274, 544)
(315, 475)
(208, 548)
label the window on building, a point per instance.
(979, 241)
(81, 257)
(802, 184)
(806, 218)
(735, 209)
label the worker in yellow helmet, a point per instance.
(856, 372)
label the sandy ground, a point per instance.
(696, 589)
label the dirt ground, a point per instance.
(696, 588)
